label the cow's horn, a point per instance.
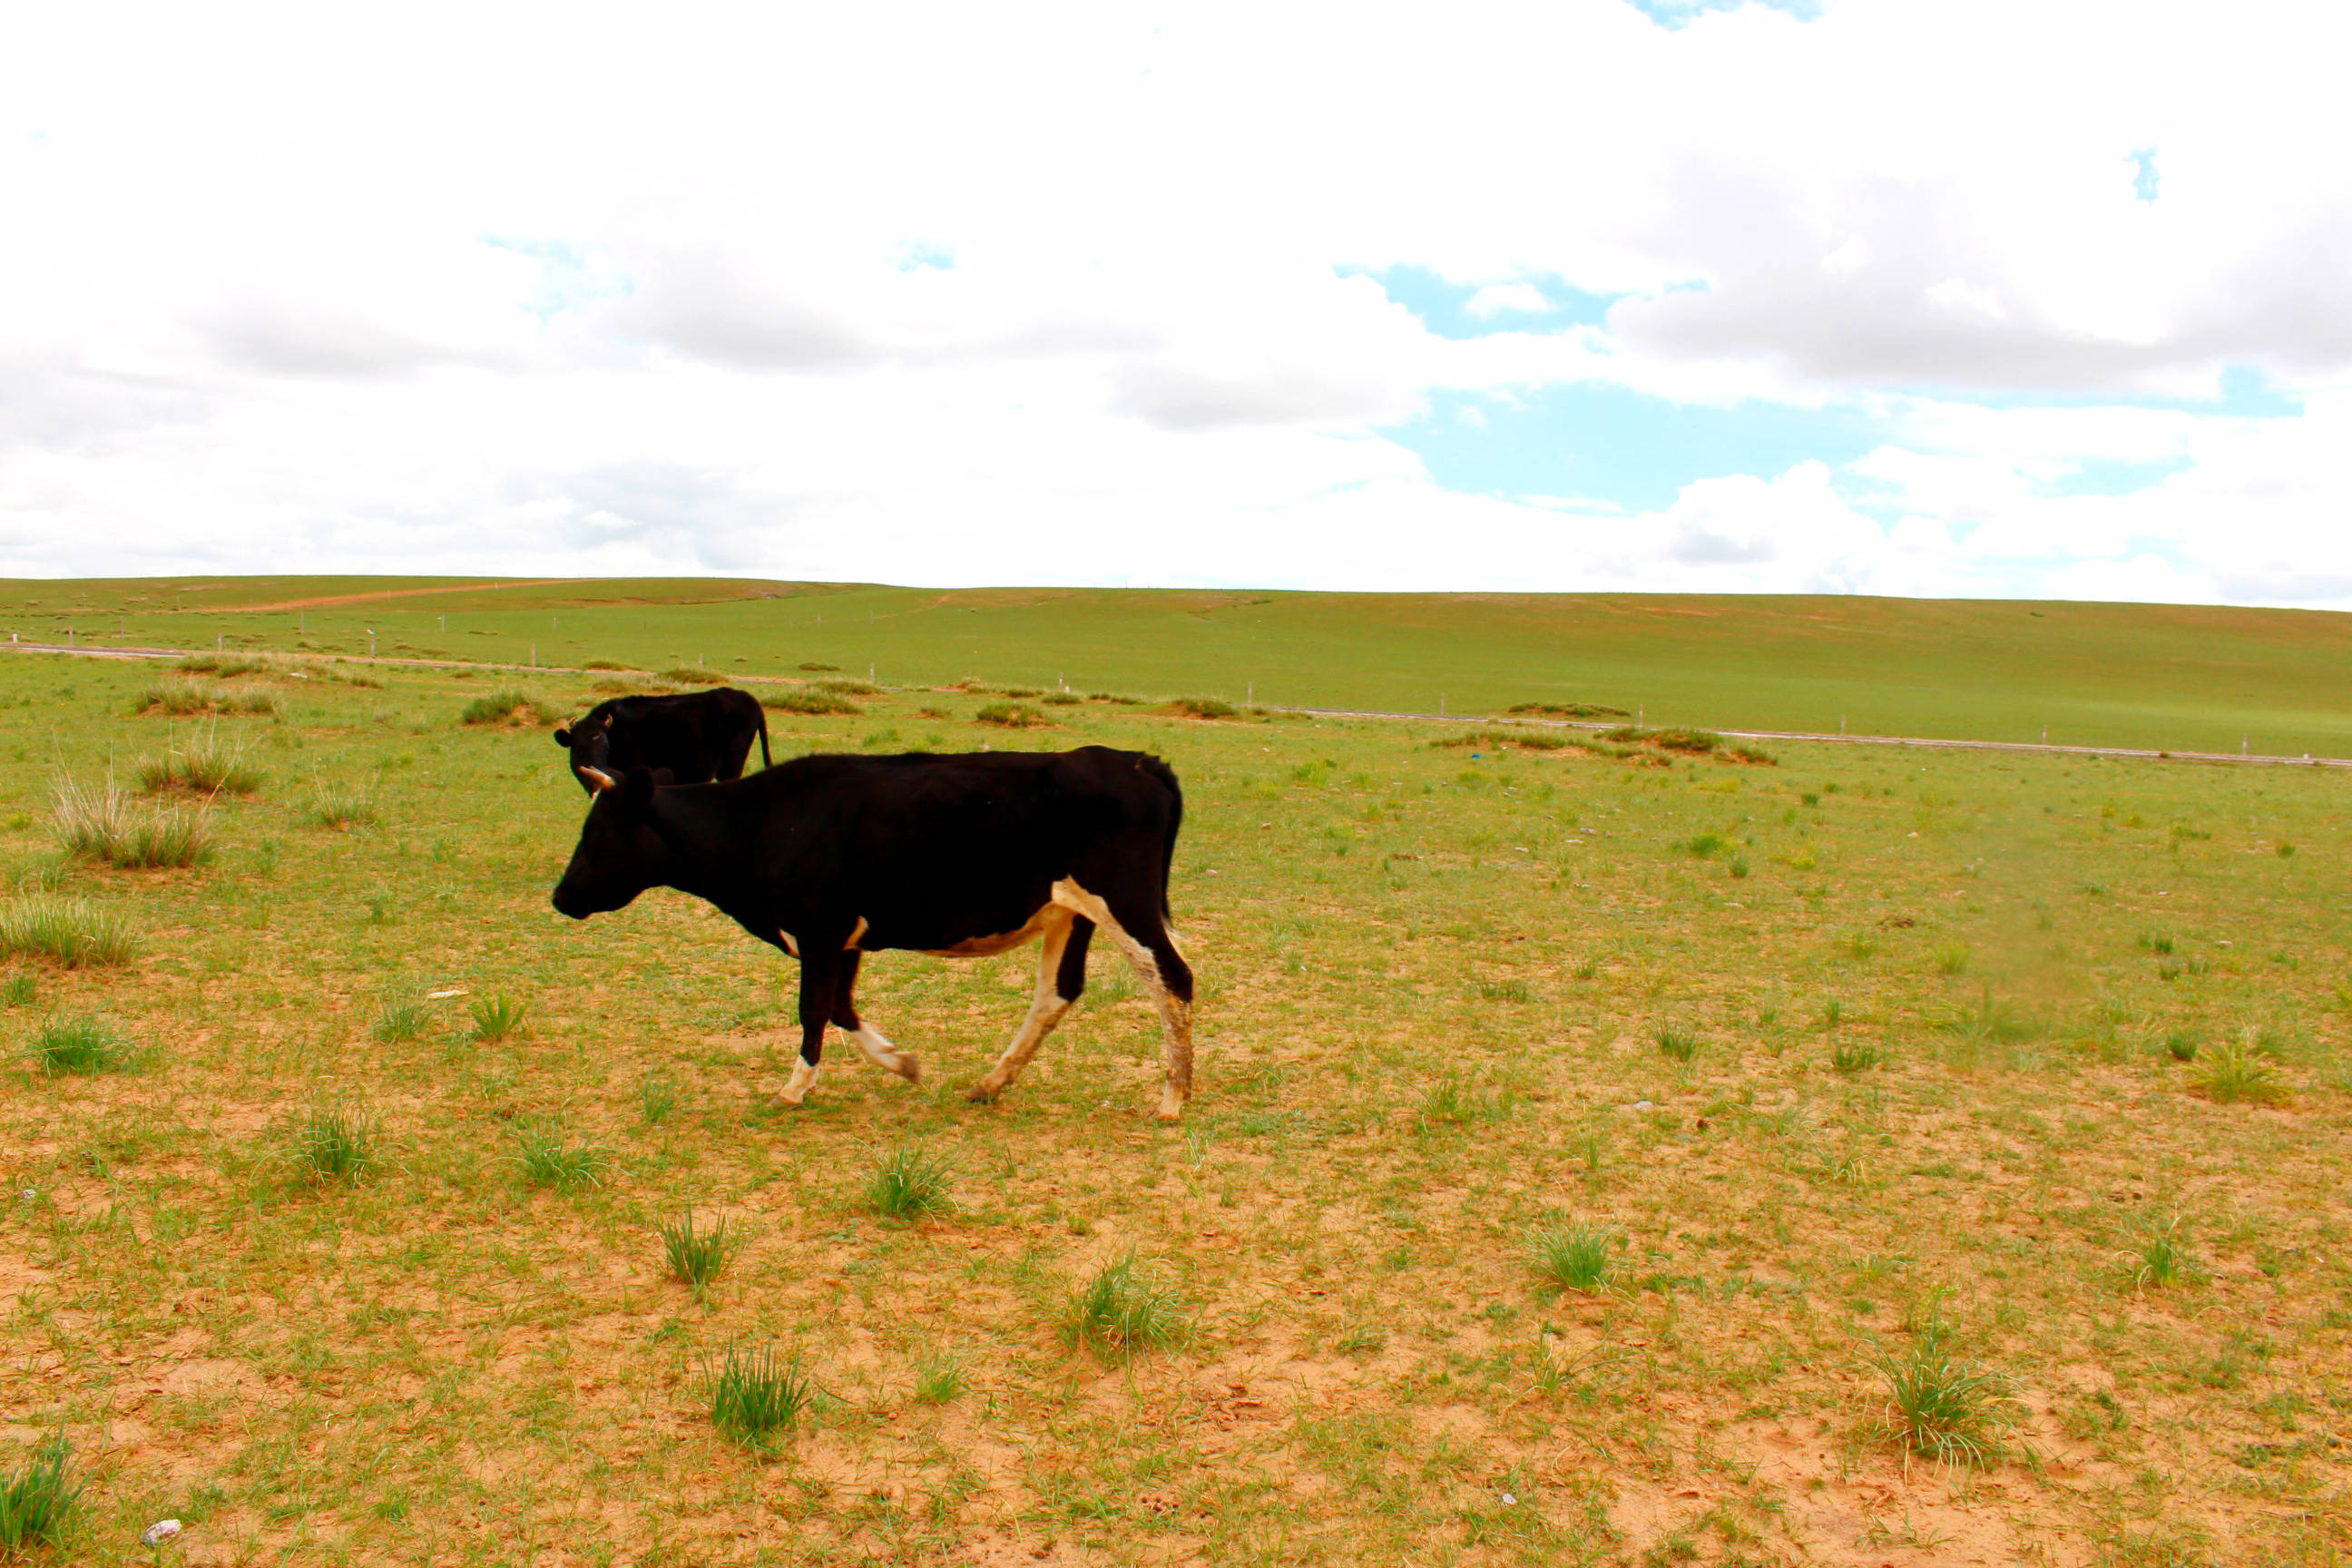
(598, 779)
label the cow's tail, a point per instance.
(761, 712)
(1167, 775)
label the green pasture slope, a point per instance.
(2166, 676)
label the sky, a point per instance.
(1910, 297)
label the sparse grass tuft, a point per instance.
(80, 1046)
(808, 702)
(200, 766)
(1856, 1056)
(497, 1018)
(1505, 991)
(1952, 957)
(548, 1160)
(1574, 1257)
(1203, 707)
(397, 1019)
(340, 805)
(940, 1380)
(1010, 716)
(1117, 1313)
(2181, 1045)
(1676, 1045)
(20, 989)
(911, 1183)
(755, 1395)
(693, 674)
(508, 706)
(695, 1256)
(336, 1144)
(1954, 1412)
(188, 698)
(2231, 1075)
(77, 933)
(2161, 1260)
(103, 822)
(37, 1498)
(1703, 845)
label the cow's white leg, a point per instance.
(879, 1051)
(796, 1086)
(1175, 1011)
(1047, 1005)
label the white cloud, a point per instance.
(929, 292)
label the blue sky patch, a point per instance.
(2114, 476)
(2144, 175)
(1444, 306)
(1606, 443)
(1674, 14)
(918, 254)
(571, 277)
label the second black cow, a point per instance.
(698, 736)
(831, 857)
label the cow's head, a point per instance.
(620, 854)
(590, 742)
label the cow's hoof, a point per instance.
(773, 1102)
(982, 1094)
(1171, 1108)
(907, 1067)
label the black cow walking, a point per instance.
(697, 735)
(831, 857)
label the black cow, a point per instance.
(831, 857)
(697, 735)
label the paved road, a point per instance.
(1929, 741)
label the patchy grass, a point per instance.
(507, 706)
(104, 823)
(756, 1395)
(1012, 716)
(1576, 1256)
(1413, 1058)
(695, 1256)
(911, 1183)
(79, 933)
(808, 702)
(202, 764)
(336, 1143)
(1954, 1412)
(64, 1046)
(39, 1497)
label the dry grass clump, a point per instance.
(510, 706)
(693, 674)
(187, 699)
(340, 804)
(1202, 708)
(1012, 716)
(200, 765)
(2233, 1074)
(77, 933)
(226, 666)
(1568, 711)
(809, 702)
(103, 823)
(1527, 741)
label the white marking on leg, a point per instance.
(854, 937)
(1046, 1009)
(1175, 1014)
(796, 1088)
(886, 1055)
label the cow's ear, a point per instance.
(563, 737)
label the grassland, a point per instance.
(2160, 676)
(1588, 1149)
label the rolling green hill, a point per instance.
(2187, 677)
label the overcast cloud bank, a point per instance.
(953, 296)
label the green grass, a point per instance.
(2233, 1074)
(202, 764)
(397, 1019)
(1576, 1256)
(1012, 716)
(1954, 1412)
(64, 1046)
(2161, 1260)
(509, 706)
(550, 1159)
(1117, 1313)
(337, 1144)
(756, 1395)
(941, 1379)
(79, 933)
(37, 1498)
(497, 1017)
(1968, 669)
(695, 1256)
(340, 804)
(1856, 1056)
(807, 703)
(911, 1183)
(188, 698)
